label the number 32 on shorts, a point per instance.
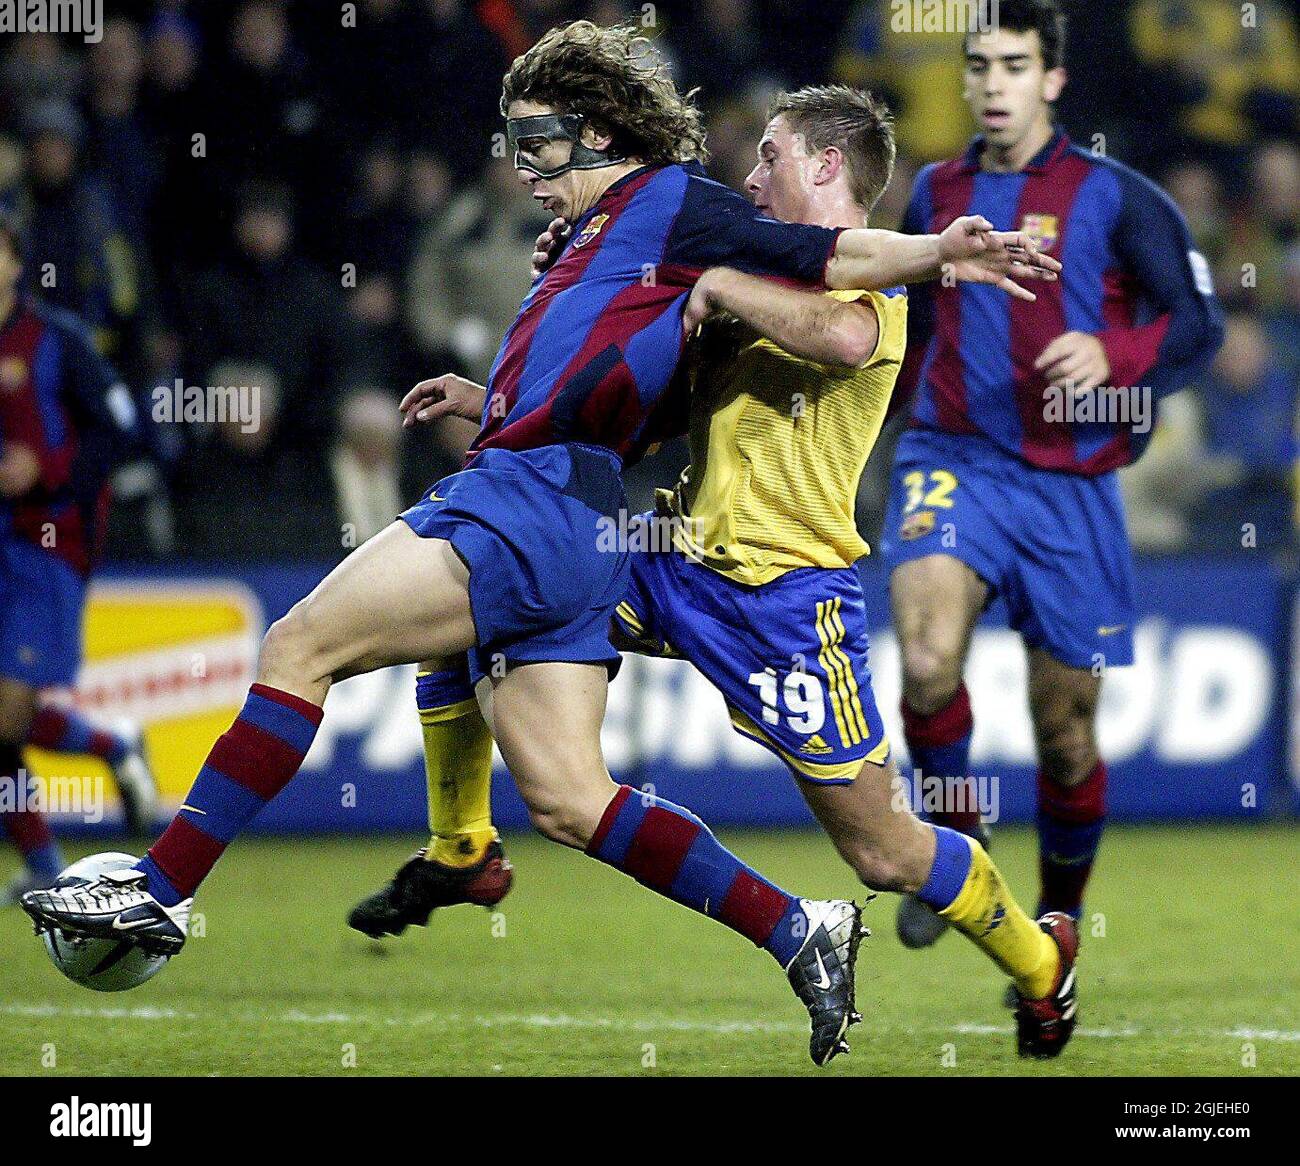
(941, 482)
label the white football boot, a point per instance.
(117, 905)
(822, 973)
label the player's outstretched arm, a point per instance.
(807, 324)
(969, 250)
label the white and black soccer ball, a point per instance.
(106, 965)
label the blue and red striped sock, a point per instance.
(66, 730)
(669, 850)
(250, 763)
(1070, 823)
(939, 746)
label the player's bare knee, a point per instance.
(880, 870)
(1067, 753)
(1063, 706)
(931, 675)
(289, 647)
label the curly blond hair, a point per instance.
(617, 80)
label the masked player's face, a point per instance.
(782, 182)
(567, 195)
(534, 154)
(1008, 90)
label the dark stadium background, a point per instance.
(305, 196)
(275, 194)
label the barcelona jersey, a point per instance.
(591, 356)
(63, 401)
(1131, 276)
(60, 400)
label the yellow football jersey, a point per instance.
(778, 446)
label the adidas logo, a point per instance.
(815, 744)
(999, 914)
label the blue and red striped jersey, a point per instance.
(63, 401)
(1131, 276)
(591, 355)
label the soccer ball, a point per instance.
(106, 965)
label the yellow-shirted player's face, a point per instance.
(1008, 90)
(781, 184)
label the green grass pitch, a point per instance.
(1191, 965)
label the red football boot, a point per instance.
(1043, 1027)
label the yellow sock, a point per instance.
(458, 769)
(985, 910)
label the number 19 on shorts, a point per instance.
(803, 698)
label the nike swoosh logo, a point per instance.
(118, 925)
(825, 981)
(1112, 629)
(434, 497)
(195, 810)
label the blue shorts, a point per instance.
(41, 602)
(789, 657)
(534, 529)
(1052, 545)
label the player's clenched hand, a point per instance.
(444, 396)
(975, 253)
(1076, 360)
(20, 470)
(549, 245)
(701, 304)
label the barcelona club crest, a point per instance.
(1041, 229)
(916, 525)
(592, 229)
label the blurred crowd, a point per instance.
(309, 198)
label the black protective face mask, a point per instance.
(557, 128)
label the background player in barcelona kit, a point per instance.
(1004, 485)
(504, 560)
(748, 572)
(65, 421)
